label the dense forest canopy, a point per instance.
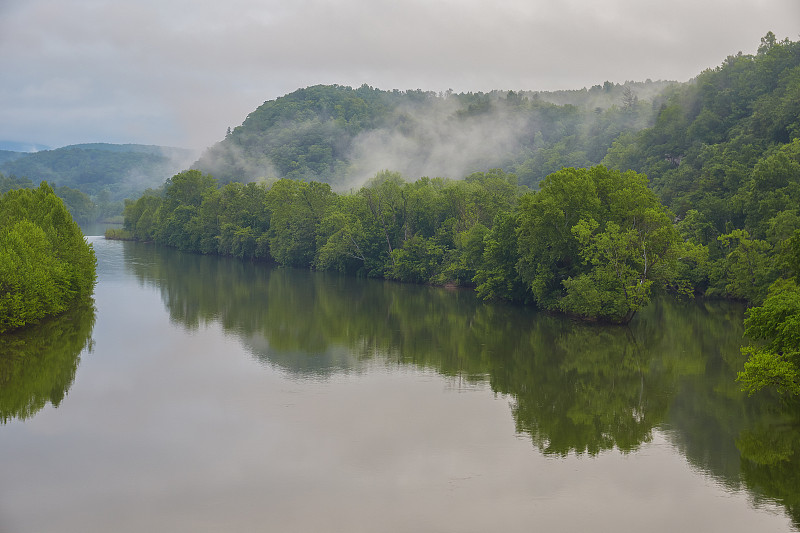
(592, 242)
(698, 193)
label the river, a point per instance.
(206, 394)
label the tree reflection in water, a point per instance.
(574, 387)
(38, 364)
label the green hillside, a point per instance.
(124, 171)
(343, 136)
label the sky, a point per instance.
(180, 72)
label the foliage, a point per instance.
(8, 183)
(496, 274)
(478, 231)
(45, 262)
(722, 152)
(296, 210)
(119, 234)
(81, 206)
(777, 321)
(747, 267)
(592, 242)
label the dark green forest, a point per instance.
(697, 194)
(46, 265)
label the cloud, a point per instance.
(180, 72)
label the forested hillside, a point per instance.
(124, 170)
(343, 136)
(718, 217)
(724, 155)
(94, 179)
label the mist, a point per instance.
(434, 141)
(345, 136)
(225, 158)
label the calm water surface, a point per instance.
(206, 394)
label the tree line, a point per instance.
(592, 242)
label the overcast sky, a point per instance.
(179, 72)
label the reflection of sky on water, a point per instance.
(169, 430)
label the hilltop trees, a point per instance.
(337, 135)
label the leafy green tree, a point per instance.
(140, 215)
(45, 262)
(592, 242)
(178, 217)
(297, 209)
(467, 257)
(78, 203)
(386, 199)
(496, 277)
(350, 240)
(243, 217)
(747, 268)
(777, 363)
(419, 260)
(8, 183)
(790, 256)
(773, 189)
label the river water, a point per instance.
(207, 394)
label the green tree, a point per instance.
(78, 203)
(140, 215)
(777, 322)
(747, 268)
(297, 208)
(592, 242)
(178, 217)
(347, 244)
(45, 262)
(8, 183)
(497, 276)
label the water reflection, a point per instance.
(574, 388)
(38, 364)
